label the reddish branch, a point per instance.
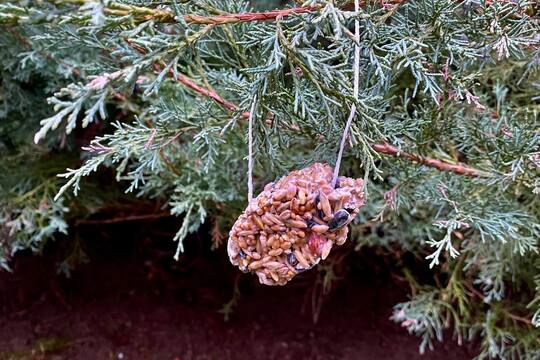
(509, 314)
(244, 17)
(380, 148)
(211, 93)
(168, 16)
(437, 164)
(128, 218)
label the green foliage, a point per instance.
(42, 346)
(452, 80)
(28, 214)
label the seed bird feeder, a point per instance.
(294, 223)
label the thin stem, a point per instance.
(165, 16)
(121, 219)
(356, 80)
(246, 17)
(438, 164)
(505, 311)
(211, 93)
(250, 149)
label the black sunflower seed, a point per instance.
(341, 218)
(292, 259)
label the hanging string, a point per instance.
(356, 71)
(250, 149)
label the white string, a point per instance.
(250, 150)
(356, 71)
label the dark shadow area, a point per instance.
(133, 301)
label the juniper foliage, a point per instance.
(171, 81)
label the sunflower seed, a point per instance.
(341, 218)
(292, 259)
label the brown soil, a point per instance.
(131, 301)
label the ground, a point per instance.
(132, 301)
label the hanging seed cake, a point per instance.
(294, 223)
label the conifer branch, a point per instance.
(141, 13)
(384, 148)
(167, 16)
(434, 74)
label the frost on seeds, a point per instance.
(294, 223)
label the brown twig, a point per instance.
(211, 93)
(166, 16)
(388, 149)
(168, 163)
(250, 16)
(506, 312)
(121, 219)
